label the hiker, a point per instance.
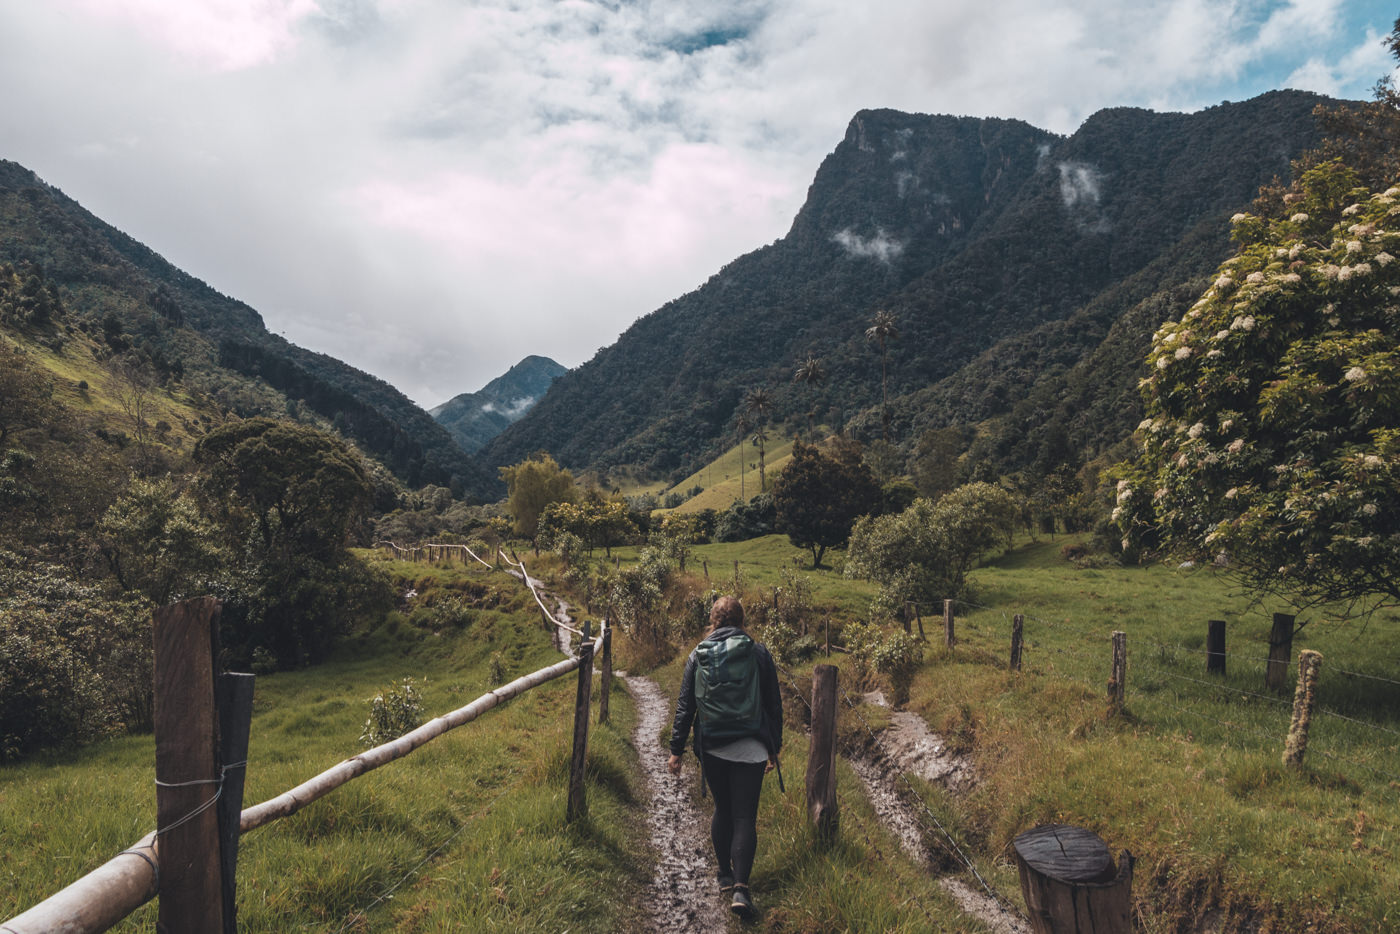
(730, 693)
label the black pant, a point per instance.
(733, 829)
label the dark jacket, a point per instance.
(771, 731)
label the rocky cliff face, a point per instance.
(983, 237)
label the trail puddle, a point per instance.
(909, 746)
(682, 895)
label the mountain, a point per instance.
(217, 345)
(474, 418)
(1024, 269)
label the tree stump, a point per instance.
(1070, 883)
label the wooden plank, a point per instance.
(233, 695)
(1018, 624)
(187, 780)
(821, 753)
(605, 679)
(1215, 646)
(578, 802)
(1280, 653)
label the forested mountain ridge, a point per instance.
(474, 418)
(218, 344)
(1000, 249)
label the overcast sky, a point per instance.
(433, 189)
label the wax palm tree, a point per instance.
(882, 330)
(757, 405)
(742, 424)
(811, 373)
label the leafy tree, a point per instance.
(934, 465)
(818, 498)
(810, 373)
(1272, 437)
(532, 485)
(746, 519)
(289, 498)
(882, 330)
(924, 553)
(156, 542)
(595, 521)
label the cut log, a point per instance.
(1070, 883)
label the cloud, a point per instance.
(880, 247)
(432, 190)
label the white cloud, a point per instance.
(432, 190)
(880, 247)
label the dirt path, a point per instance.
(909, 746)
(682, 896)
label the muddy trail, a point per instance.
(682, 896)
(909, 746)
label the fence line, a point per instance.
(118, 887)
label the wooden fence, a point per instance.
(201, 726)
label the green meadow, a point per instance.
(468, 833)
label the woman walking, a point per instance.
(729, 695)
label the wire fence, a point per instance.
(1229, 706)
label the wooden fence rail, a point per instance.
(132, 877)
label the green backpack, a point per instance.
(728, 704)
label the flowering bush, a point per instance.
(1272, 438)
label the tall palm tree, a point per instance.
(742, 424)
(810, 372)
(883, 329)
(757, 405)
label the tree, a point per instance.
(1272, 438)
(934, 465)
(757, 405)
(818, 498)
(289, 498)
(532, 485)
(882, 330)
(742, 423)
(924, 553)
(811, 374)
(156, 542)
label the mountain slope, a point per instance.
(218, 343)
(974, 233)
(474, 418)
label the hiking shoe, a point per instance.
(742, 905)
(726, 883)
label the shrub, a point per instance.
(392, 713)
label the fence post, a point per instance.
(605, 680)
(1018, 625)
(187, 780)
(821, 754)
(578, 804)
(1280, 652)
(706, 563)
(826, 622)
(948, 635)
(233, 696)
(1309, 666)
(1215, 646)
(919, 618)
(1118, 680)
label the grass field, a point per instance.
(1189, 778)
(467, 833)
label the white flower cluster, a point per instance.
(1242, 323)
(1299, 218)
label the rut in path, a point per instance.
(682, 896)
